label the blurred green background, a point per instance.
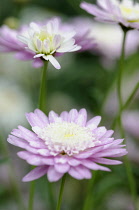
(82, 82)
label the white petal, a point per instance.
(53, 61)
(66, 46)
(69, 35)
(75, 48)
(23, 39)
(39, 45)
(31, 46)
(38, 55)
(35, 27)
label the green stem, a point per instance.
(131, 96)
(121, 69)
(42, 106)
(88, 204)
(61, 193)
(129, 100)
(42, 97)
(50, 195)
(129, 172)
(31, 195)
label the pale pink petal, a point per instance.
(99, 132)
(41, 116)
(94, 122)
(21, 143)
(62, 168)
(73, 114)
(53, 175)
(53, 117)
(74, 162)
(64, 115)
(107, 161)
(35, 160)
(35, 173)
(80, 172)
(37, 63)
(91, 165)
(82, 117)
(34, 120)
(61, 159)
(110, 153)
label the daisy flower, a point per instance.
(124, 12)
(49, 40)
(109, 36)
(66, 143)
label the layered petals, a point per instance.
(46, 40)
(66, 143)
(124, 12)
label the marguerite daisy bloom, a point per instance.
(124, 12)
(48, 40)
(66, 144)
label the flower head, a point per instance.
(10, 43)
(124, 12)
(49, 39)
(109, 40)
(65, 144)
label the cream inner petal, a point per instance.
(130, 13)
(66, 138)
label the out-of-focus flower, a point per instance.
(109, 40)
(66, 144)
(130, 121)
(83, 36)
(124, 12)
(50, 39)
(10, 43)
(13, 100)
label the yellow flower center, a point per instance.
(68, 135)
(66, 138)
(43, 35)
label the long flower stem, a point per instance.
(129, 172)
(61, 193)
(128, 101)
(42, 97)
(88, 204)
(31, 195)
(42, 106)
(131, 96)
(121, 69)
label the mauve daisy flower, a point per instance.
(50, 39)
(66, 144)
(124, 12)
(110, 37)
(10, 43)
